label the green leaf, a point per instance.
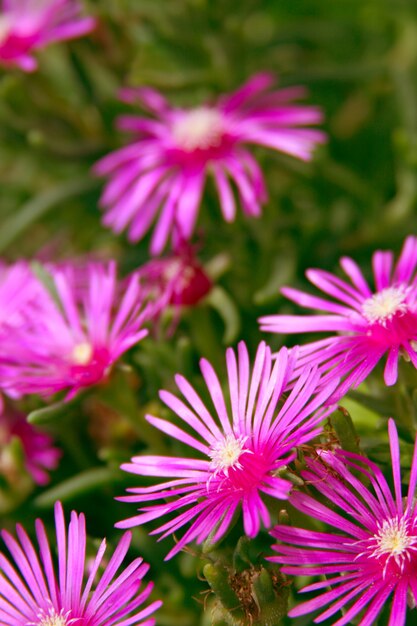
(345, 430)
(221, 302)
(48, 413)
(217, 576)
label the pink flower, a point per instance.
(28, 25)
(164, 170)
(19, 293)
(33, 591)
(240, 449)
(84, 325)
(39, 451)
(373, 554)
(177, 280)
(367, 324)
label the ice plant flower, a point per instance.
(86, 323)
(367, 324)
(372, 554)
(240, 449)
(34, 591)
(160, 176)
(176, 280)
(28, 25)
(40, 455)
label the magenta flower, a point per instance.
(374, 553)
(367, 324)
(161, 175)
(239, 449)
(40, 455)
(28, 25)
(84, 325)
(19, 292)
(175, 280)
(33, 591)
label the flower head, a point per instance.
(373, 553)
(34, 592)
(84, 325)
(175, 280)
(163, 171)
(28, 25)
(240, 449)
(40, 455)
(368, 325)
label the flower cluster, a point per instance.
(64, 326)
(161, 175)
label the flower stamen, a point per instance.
(382, 306)
(82, 353)
(200, 128)
(225, 454)
(52, 618)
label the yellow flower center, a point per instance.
(225, 453)
(82, 353)
(382, 306)
(200, 128)
(396, 540)
(52, 618)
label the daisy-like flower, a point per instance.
(373, 553)
(28, 25)
(367, 324)
(39, 451)
(35, 592)
(240, 449)
(84, 325)
(161, 175)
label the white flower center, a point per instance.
(225, 453)
(82, 353)
(382, 306)
(199, 128)
(396, 540)
(5, 25)
(52, 618)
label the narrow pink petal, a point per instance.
(313, 302)
(396, 463)
(391, 366)
(352, 270)
(382, 266)
(407, 262)
(227, 200)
